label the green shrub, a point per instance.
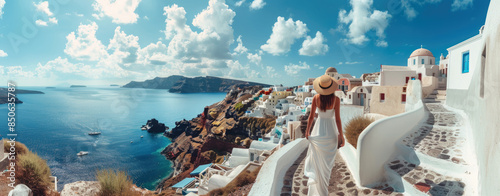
(238, 106)
(34, 172)
(354, 128)
(20, 147)
(114, 183)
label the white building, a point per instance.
(421, 63)
(462, 58)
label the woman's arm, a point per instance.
(339, 123)
(311, 117)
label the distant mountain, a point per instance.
(77, 86)
(156, 83)
(181, 84)
(4, 94)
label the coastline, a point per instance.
(192, 146)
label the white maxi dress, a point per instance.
(320, 158)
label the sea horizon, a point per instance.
(55, 125)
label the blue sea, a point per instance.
(55, 125)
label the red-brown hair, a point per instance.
(326, 101)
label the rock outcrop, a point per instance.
(153, 126)
(4, 94)
(181, 84)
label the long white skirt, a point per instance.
(321, 155)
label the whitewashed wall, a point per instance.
(483, 111)
(377, 143)
(457, 79)
(271, 175)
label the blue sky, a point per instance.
(101, 42)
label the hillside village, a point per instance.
(421, 142)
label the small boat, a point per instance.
(131, 141)
(81, 153)
(95, 133)
(142, 136)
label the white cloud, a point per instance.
(84, 45)
(257, 4)
(236, 70)
(313, 47)
(271, 72)
(41, 23)
(153, 54)
(43, 7)
(284, 35)
(124, 46)
(2, 3)
(362, 19)
(460, 5)
(63, 66)
(121, 11)
(3, 53)
(254, 58)
(321, 67)
(239, 3)
(240, 48)
(211, 43)
(295, 69)
(16, 72)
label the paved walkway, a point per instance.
(341, 181)
(440, 140)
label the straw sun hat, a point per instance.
(324, 85)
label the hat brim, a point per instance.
(322, 91)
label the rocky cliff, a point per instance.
(193, 146)
(4, 94)
(181, 84)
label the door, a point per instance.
(362, 100)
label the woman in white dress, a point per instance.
(326, 136)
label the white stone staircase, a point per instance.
(437, 159)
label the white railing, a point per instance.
(377, 143)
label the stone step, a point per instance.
(341, 181)
(443, 92)
(442, 143)
(425, 180)
(441, 97)
(426, 100)
(431, 96)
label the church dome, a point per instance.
(421, 52)
(331, 69)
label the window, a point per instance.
(343, 82)
(358, 96)
(404, 89)
(361, 90)
(414, 61)
(407, 78)
(420, 76)
(431, 61)
(382, 97)
(349, 96)
(423, 61)
(364, 95)
(403, 98)
(412, 78)
(465, 62)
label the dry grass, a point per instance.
(20, 147)
(114, 183)
(244, 178)
(354, 128)
(34, 172)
